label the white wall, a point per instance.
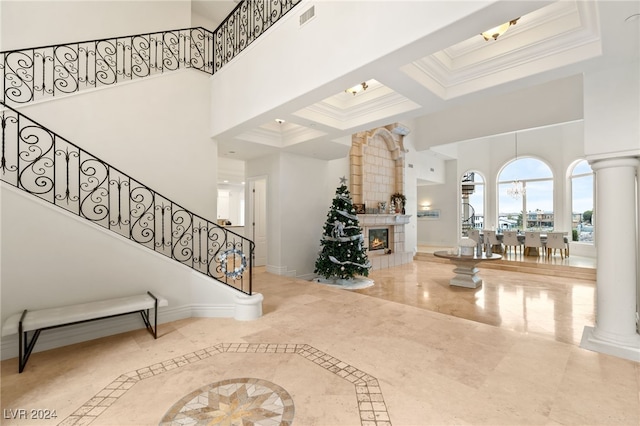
(558, 146)
(612, 126)
(303, 212)
(546, 104)
(198, 20)
(152, 129)
(42, 23)
(443, 231)
(296, 210)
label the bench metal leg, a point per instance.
(25, 344)
(145, 317)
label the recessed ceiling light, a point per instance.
(279, 120)
(496, 32)
(357, 88)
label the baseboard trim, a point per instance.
(280, 270)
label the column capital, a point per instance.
(604, 163)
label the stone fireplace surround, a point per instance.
(376, 172)
(395, 224)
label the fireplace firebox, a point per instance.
(378, 239)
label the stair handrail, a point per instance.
(42, 163)
(469, 222)
(45, 72)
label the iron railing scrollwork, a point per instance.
(249, 20)
(49, 71)
(44, 164)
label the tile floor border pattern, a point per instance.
(371, 405)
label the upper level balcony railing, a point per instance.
(50, 71)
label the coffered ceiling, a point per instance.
(555, 41)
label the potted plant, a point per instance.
(399, 199)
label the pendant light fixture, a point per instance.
(517, 189)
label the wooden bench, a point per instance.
(45, 319)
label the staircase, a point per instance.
(39, 161)
(42, 163)
(468, 212)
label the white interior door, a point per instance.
(258, 219)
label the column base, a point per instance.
(248, 307)
(628, 350)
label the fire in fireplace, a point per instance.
(378, 239)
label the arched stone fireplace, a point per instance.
(376, 172)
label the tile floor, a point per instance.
(408, 351)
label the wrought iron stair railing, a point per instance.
(49, 71)
(38, 161)
(468, 219)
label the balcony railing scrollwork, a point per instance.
(50, 71)
(44, 164)
(249, 20)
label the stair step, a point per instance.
(524, 267)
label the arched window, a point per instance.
(472, 207)
(525, 195)
(582, 202)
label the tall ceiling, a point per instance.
(558, 40)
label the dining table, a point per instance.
(466, 267)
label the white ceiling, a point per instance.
(558, 40)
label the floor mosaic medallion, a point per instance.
(233, 402)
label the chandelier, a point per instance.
(517, 189)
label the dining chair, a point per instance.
(510, 239)
(532, 240)
(555, 240)
(489, 237)
(474, 234)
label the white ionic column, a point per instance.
(615, 332)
